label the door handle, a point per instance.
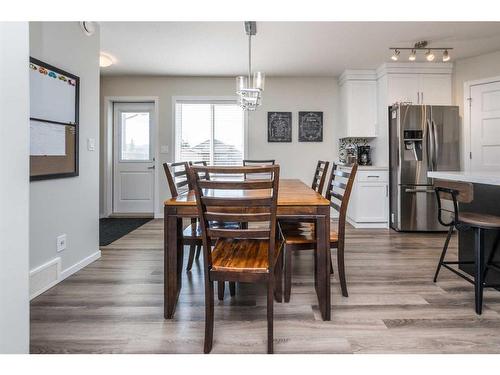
(436, 144)
(152, 167)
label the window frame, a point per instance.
(176, 131)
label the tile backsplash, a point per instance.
(348, 145)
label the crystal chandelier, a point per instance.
(248, 88)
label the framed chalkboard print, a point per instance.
(279, 126)
(54, 97)
(310, 126)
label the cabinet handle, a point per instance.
(386, 190)
(418, 97)
(422, 96)
(373, 176)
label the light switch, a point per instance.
(91, 144)
(164, 149)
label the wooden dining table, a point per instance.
(296, 200)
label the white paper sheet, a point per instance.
(47, 139)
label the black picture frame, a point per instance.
(310, 126)
(75, 124)
(279, 126)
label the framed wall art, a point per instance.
(310, 126)
(279, 126)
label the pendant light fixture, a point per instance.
(249, 88)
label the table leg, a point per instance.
(323, 264)
(172, 262)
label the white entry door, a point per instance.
(133, 158)
(485, 126)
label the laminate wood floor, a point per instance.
(115, 305)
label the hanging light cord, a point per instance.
(249, 59)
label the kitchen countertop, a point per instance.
(365, 167)
(477, 177)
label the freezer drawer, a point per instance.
(418, 209)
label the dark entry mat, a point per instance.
(111, 229)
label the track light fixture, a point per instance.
(420, 46)
(446, 56)
(429, 56)
(413, 55)
(395, 55)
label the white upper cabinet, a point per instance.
(358, 103)
(418, 83)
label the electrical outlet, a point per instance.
(61, 242)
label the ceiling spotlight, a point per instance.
(429, 55)
(395, 55)
(105, 60)
(413, 55)
(446, 55)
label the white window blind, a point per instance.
(209, 131)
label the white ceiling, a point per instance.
(280, 48)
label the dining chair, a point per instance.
(455, 192)
(302, 236)
(178, 183)
(320, 176)
(253, 162)
(246, 254)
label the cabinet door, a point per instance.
(362, 109)
(402, 88)
(372, 202)
(435, 89)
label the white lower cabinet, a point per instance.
(369, 202)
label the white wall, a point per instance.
(14, 188)
(293, 94)
(69, 205)
(478, 67)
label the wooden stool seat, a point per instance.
(244, 255)
(480, 220)
(297, 233)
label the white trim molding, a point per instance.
(414, 67)
(466, 131)
(49, 274)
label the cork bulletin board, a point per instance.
(54, 109)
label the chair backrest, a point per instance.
(242, 201)
(454, 191)
(177, 177)
(202, 163)
(338, 192)
(250, 162)
(320, 176)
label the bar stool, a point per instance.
(463, 192)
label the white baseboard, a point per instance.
(44, 277)
(159, 215)
(47, 275)
(382, 225)
(81, 264)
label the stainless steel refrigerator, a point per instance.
(422, 138)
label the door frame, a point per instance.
(466, 134)
(107, 149)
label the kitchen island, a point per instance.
(486, 200)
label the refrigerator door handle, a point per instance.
(429, 145)
(436, 144)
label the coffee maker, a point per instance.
(364, 155)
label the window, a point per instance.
(134, 136)
(212, 131)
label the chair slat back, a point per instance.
(177, 177)
(244, 201)
(454, 191)
(338, 192)
(253, 162)
(202, 163)
(320, 176)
